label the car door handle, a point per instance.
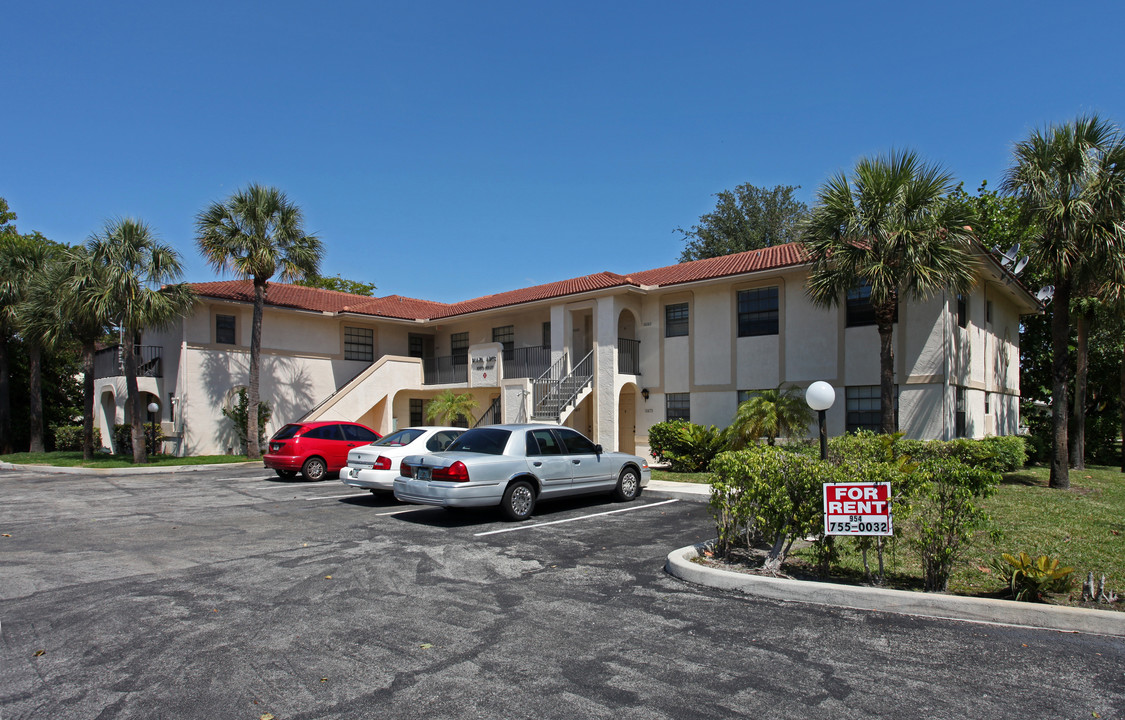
(537, 464)
(576, 462)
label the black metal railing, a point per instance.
(107, 362)
(445, 370)
(491, 416)
(526, 362)
(628, 356)
(557, 388)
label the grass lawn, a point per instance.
(74, 459)
(1083, 527)
(669, 476)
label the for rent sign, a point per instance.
(857, 508)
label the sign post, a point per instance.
(857, 509)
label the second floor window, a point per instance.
(506, 336)
(359, 344)
(962, 310)
(676, 320)
(757, 312)
(860, 311)
(459, 348)
(224, 329)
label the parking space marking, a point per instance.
(406, 510)
(583, 517)
(286, 486)
(337, 497)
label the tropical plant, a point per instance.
(780, 412)
(136, 295)
(746, 218)
(1069, 179)
(257, 233)
(237, 411)
(888, 229)
(1030, 578)
(686, 447)
(339, 284)
(448, 407)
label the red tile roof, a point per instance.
(396, 306)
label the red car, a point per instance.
(315, 448)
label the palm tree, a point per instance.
(447, 407)
(60, 307)
(136, 265)
(771, 414)
(20, 259)
(1069, 180)
(39, 303)
(256, 234)
(889, 229)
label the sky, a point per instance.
(449, 150)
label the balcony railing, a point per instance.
(628, 356)
(107, 362)
(526, 362)
(447, 370)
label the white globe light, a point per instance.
(153, 407)
(820, 395)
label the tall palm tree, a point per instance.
(257, 233)
(780, 412)
(61, 308)
(20, 257)
(449, 407)
(1068, 178)
(33, 316)
(136, 296)
(888, 228)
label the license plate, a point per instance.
(423, 473)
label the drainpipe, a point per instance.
(945, 365)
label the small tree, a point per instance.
(238, 412)
(448, 407)
(781, 412)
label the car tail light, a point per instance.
(457, 472)
(405, 470)
(382, 463)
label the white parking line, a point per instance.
(337, 497)
(286, 486)
(584, 517)
(400, 512)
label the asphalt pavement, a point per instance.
(227, 593)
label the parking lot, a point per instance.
(233, 594)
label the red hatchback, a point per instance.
(315, 448)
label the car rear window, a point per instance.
(324, 432)
(287, 432)
(359, 433)
(489, 441)
(400, 438)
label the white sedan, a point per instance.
(374, 467)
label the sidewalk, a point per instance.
(142, 470)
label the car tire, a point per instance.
(314, 469)
(286, 474)
(628, 485)
(518, 501)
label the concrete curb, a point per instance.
(929, 605)
(694, 492)
(53, 469)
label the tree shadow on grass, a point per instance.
(1024, 478)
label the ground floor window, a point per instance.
(677, 406)
(417, 412)
(863, 408)
(959, 414)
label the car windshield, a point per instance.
(400, 438)
(287, 432)
(490, 441)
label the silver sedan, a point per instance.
(514, 466)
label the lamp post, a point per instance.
(820, 397)
(153, 408)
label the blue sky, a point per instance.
(447, 150)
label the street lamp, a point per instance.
(153, 408)
(820, 397)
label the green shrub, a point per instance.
(946, 514)
(1029, 579)
(67, 437)
(862, 446)
(123, 438)
(239, 414)
(767, 493)
(685, 446)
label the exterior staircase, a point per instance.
(559, 390)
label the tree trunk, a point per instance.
(35, 396)
(884, 320)
(1060, 340)
(128, 345)
(5, 405)
(88, 401)
(1121, 407)
(1085, 322)
(253, 399)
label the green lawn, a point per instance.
(1083, 527)
(669, 476)
(74, 459)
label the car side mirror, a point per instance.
(598, 450)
